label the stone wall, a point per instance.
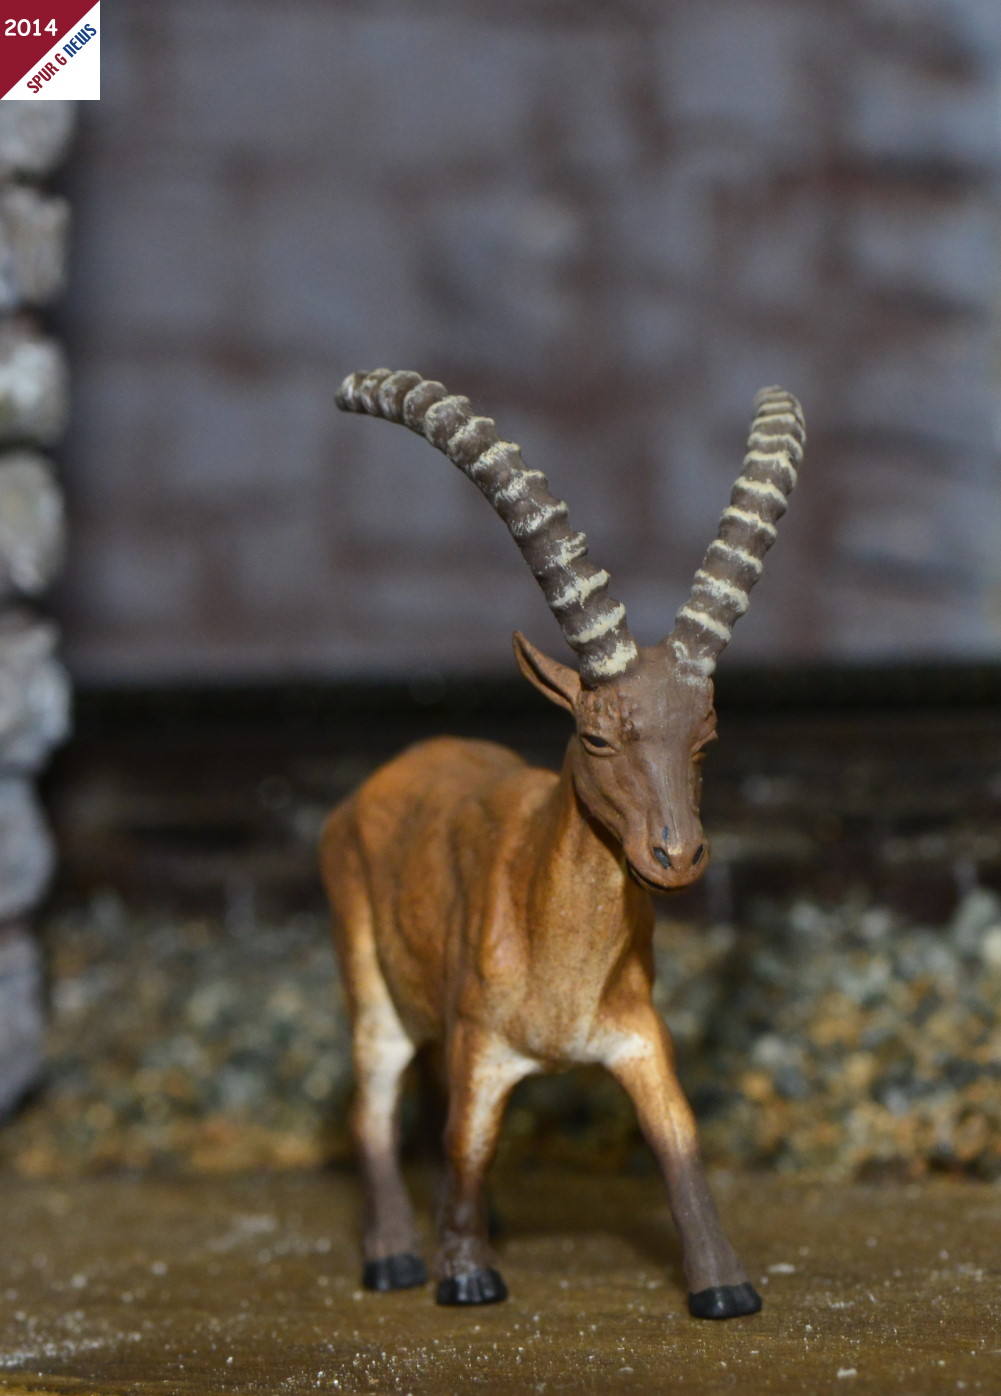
(34, 695)
(609, 225)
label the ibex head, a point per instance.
(644, 715)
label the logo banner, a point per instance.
(51, 54)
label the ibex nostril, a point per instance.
(697, 855)
(662, 857)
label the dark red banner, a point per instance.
(28, 30)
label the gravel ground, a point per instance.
(836, 1041)
(186, 1044)
(849, 1042)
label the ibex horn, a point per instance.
(593, 624)
(746, 531)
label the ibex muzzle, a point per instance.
(501, 910)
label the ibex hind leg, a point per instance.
(382, 1052)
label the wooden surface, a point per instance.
(243, 1285)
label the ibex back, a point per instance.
(504, 911)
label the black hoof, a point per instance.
(724, 1301)
(402, 1271)
(479, 1287)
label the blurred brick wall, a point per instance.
(609, 225)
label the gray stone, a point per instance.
(693, 483)
(967, 30)
(745, 64)
(422, 620)
(663, 224)
(934, 247)
(400, 494)
(979, 21)
(31, 524)
(738, 363)
(591, 464)
(270, 555)
(27, 855)
(339, 279)
(392, 92)
(505, 263)
(779, 256)
(22, 1025)
(33, 230)
(34, 692)
(931, 385)
(33, 387)
(924, 528)
(158, 241)
(144, 584)
(977, 917)
(882, 616)
(34, 136)
(583, 88)
(899, 110)
(264, 439)
(945, 248)
(655, 331)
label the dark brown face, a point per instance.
(636, 759)
(637, 766)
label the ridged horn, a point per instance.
(593, 624)
(720, 592)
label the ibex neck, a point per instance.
(580, 893)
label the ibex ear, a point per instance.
(557, 682)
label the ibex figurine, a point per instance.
(504, 911)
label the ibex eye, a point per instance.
(594, 741)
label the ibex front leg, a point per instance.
(717, 1282)
(482, 1072)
